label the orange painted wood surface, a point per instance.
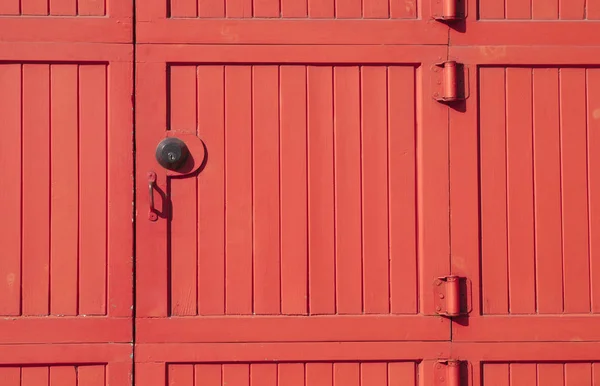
(68, 233)
(534, 196)
(295, 222)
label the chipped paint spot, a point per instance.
(493, 52)
(410, 6)
(10, 280)
(596, 113)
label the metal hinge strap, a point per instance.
(448, 10)
(448, 372)
(452, 296)
(452, 81)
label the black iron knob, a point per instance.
(172, 153)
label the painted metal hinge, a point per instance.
(449, 10)
(451, 372)
(451, 82)
(452, 296)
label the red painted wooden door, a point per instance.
(305, 247)
(66, 234)
(524, 191)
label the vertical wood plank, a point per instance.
(64, 190)
(596, 373)
(592, 8)
(211, 192)
(401, 106)
(91, 7)
(92, 188)
(151, 255)
(544, 9)
(346, 374)
(91, 375)
(207, 375)
(374, 142)
(236, 375)
(10, 194)
(181, 375)
(519, 170)
(374, 374)
(403, 9)
(267, 286)
(572, 9)
(36, 189)
(523, 374)
(291, 374)
(294, 8)
(347, 190)
(294, 254)
(10, 7)
(263, 374)
(547, 191)
(238, 8)
(63, 376)
(266, 8)
(321, 230)
(238, 174)
(497, 374)
(120, 373)
(321, 9)
(576, 263)
(184, 197)
(494, 251)
(491, 9)
(402, 373)
(11, 376)
(593, 170)
(120, 189)
(35, 376)
(518, 9)
(34, 7)
(63, 7)
(184, 8)
(318, 374)
(211, 8)
(375, 9)
(348, 9)
(578, 374)
(548, 374)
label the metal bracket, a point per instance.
(449, 10)
(451, 372)
(451, 82)
(452, 296)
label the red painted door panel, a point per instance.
(65, 365)
(294, 373)
(528, 22)
(290, 22)
(306, 222)
(536, 192)
(66, 232)
(83, 21)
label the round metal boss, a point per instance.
(171, 153)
